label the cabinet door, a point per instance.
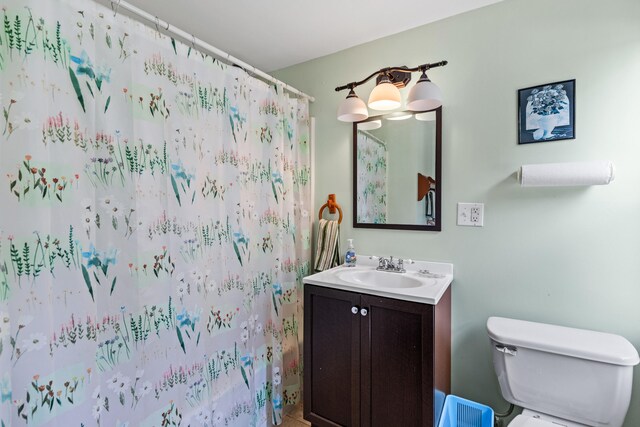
(331, 357)
(397, 363)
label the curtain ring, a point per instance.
(157, 24)
(115, 10)
(193, 41)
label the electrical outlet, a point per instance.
(476, 215)
(471, 214)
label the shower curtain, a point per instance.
(153, 227)
(372, 179)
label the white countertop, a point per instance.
(428, 291)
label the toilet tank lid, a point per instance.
(581, 343)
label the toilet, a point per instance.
(562, 376)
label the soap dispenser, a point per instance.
(350, 256)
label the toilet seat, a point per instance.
(535, 419)
(527, 421)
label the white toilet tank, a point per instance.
(574, 374)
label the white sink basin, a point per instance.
(382, 279)
(414, 285)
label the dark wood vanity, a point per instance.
(373, 361)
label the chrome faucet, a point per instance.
(387, 264)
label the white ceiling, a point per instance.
(273, 34)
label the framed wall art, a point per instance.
(547, 112)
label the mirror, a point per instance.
(397, 163)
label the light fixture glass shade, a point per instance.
(425, 95)
(401, 115)
(385, 96)
(374, 124)
(352, 109)
(429, 116)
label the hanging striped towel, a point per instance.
(327, 252)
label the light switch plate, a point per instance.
(471, 214)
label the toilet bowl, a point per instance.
(562, 376)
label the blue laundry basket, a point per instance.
(459, 412)
(438, 405)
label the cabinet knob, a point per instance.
(363, 311)
(354, 309)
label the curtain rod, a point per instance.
(373, 137)
(202, 45)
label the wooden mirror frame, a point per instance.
(438, 190)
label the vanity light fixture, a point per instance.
(425, 95)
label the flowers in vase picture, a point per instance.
(547, 112)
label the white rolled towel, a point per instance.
(600, 172)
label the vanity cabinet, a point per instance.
(373, 361)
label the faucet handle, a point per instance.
(382, 261)
(400, 267)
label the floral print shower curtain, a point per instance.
(153, 227)
(372, 179)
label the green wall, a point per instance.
(569, 256)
